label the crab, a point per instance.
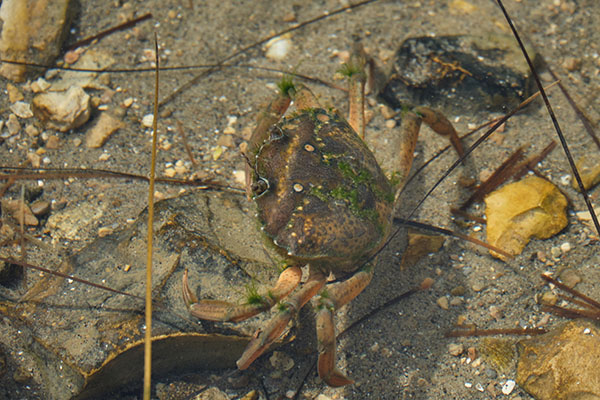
(323, 201)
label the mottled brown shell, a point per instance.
(321, 194)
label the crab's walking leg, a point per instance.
(214, 310)
(440, 125)
(409, 132)
(264, 338)
(356, 90)
(332, 299)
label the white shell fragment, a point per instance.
(278, 48)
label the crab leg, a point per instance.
(332, 299)
(440, 125)
(409, 132)
(356, 89)
(264, 338)
(215, 310)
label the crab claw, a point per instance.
(215, 310)
(211, 310)
(326, 338)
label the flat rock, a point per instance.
(562, 364)
(531, 207)
(458, 72)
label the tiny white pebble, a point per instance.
(565, 247)
(479, 387)
(468, 384)
(586, 331)
(508, 387)
(148, 120)
(565, 180)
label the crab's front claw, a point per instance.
(326, 338)
(215, 310)
(211, 310)
(263, 339)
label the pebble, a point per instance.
(490, 373)
(477, 286)
(390, 123)
(31, 131)
(217, 151)
(565, 180)
(71, 57)
(548, 298)
(127, 102)
(34, 159)
(387, 112)
(170, 172)
(495, 312)
(571, 64)
(508, 387)
(13, 124)
(40, 207)
(565, 247)
(569, 277)
(472, 353)
(555, 252)
(289, 17)
(456, 301)
(229, 130)
(455, 349)
(63, 111)
(53, 142)
(147, 120)
(40, 85)
(226, 140)
(14, 94)
(180, 169)
(102, 130)
(443, 303)
(458, 291)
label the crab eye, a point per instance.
(259, 187)
(276, 133)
